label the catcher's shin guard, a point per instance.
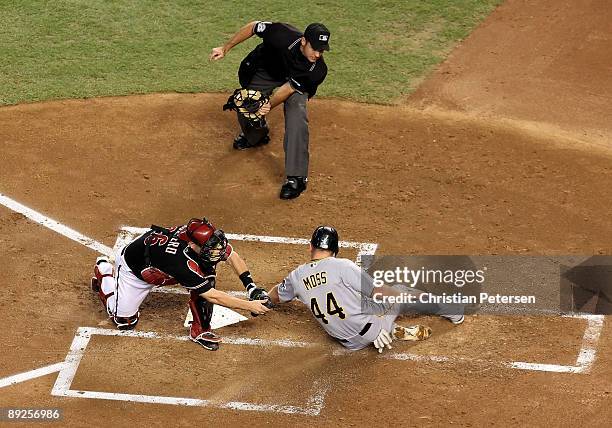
(199, 332)
(102, 282)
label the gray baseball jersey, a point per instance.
(332, 288)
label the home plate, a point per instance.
(222, 316)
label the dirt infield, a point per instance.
(505, 171)
(544, 64)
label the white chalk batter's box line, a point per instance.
(584, 361)
(314, 404)
(68, 368)
(63, 383)
(128, 233)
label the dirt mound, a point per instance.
(548, 63)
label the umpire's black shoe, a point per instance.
(293, 187)
(241, 142)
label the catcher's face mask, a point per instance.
(248, 102)
(214, 249)
(212, 242)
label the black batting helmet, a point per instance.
(325, 238)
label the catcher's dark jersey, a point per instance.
(281, 57)
(171, 259)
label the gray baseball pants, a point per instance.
(384, 315)
(296, 137)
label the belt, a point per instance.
(363, 331)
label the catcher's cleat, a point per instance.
(241, 142)
(455, 319)
(293, 187)
(203, 336)
(208, 340)
(413, 333)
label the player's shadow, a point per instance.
(164, 312)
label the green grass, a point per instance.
(84, 48)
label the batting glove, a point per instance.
(383, 339)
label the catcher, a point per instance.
(187, 255)
(335, 289)
(292, 63)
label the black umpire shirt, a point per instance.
(281, 57)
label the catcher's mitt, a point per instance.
(247, 102)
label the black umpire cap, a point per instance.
(318, 36)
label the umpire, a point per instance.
(293, 63)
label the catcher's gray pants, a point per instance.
(296, 125)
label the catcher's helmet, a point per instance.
(325, 238)
(204, 234)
